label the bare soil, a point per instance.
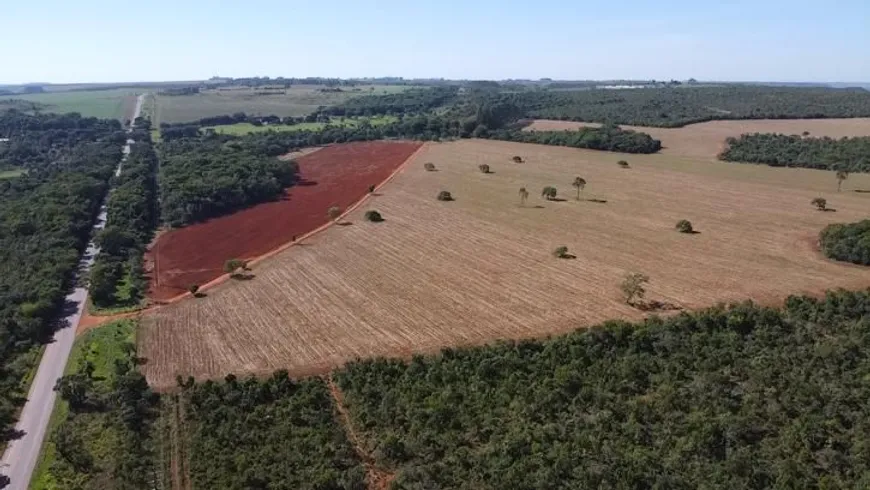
(480, 268)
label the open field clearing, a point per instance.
(333, 176)
(12, 173)
(109, 104)
(480, 268)
(295, 101)
(706, 140)
(247, 128)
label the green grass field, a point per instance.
(246, 128)
(11, 174)
(297, 101)
(109, 104)
(101, 347)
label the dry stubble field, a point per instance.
(479, 268)
(706, 140)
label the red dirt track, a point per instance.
(334, 176)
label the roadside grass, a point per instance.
(102, 347)
(247, 128)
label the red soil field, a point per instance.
(334, 176)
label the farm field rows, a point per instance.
(706, 140)
(436, 274)
(299, 100)
(110, 104)
(333, 176)
(247, 128)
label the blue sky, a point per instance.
(763, 40)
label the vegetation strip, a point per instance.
(779, 150)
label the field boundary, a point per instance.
(89, 321)
(253, 261)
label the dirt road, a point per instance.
(21, 455)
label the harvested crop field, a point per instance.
(706, 140)
(480, 268)
(334, 176)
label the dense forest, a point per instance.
(117, 277)
(414, 101)
(779, 150)
(847, 242)
(276, 434)
(45, 220)
(203, 177)
(105, 438)
(675, 107)
(609, 138)
(736, 397)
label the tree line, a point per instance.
(205, 176)
(728, 397)
(847, 242)
(46, 217)
(608, 138)
(779, 150)
(117, 277)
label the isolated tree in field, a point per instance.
(483, 168)
(549, 193)
(622, 164)
(193, 288)
(633, 287)
(371, 189)
(429, 166)
(820, 203)
(334, 212)
(524, 194)
(517, 159)
(579, 183)
(841, 176)
(560, 252)
(445, 196)
(374, 216)
(233, 266)
(684, 226)
(805, 134)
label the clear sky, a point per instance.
(112, 41)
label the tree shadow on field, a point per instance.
(830, 210)
(599, 201)
(568, 257)
(557, 199)
(344, 223)
(656, 306)
(865, 191)
(539, 207)
(245, 276)
(306, 183)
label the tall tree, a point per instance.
(841, 176)
(579, 183)
(524, 194)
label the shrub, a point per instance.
(517, 159)
(560, 252)
(374, 216)
(429, 166)
(549, 193)
(334, 212)
(445, 196)
(232, 266)
(622, 164)
(193, 288)
(484, 168)
(820, 203)
(684, 226)
(371, 189)
(632, 287)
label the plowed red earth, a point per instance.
(334, 176)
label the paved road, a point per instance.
(21, 455)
